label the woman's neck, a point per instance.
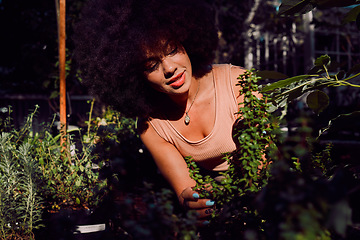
(185, 100)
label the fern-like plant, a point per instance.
(20, 199)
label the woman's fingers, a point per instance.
(189, 194)
(192, 200)
(198, 203)
(204, 213)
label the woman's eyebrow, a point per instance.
(151, 58)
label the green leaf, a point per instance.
(54, 94)
(78, 182)
(86, 139)
(295, 93)
(295, 7)
(351, 15)
(317, 101)
(323, 60)
(77, 200)
(285, 82)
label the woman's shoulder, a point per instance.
(228, 66)
(233, 70)
(221, 66)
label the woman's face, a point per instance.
(169, 72)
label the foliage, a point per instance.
(142, 206)
(70, 176)
(294, 7)
(284, 91)
(111, 154)
(67, 178)
(309, 195)
(248, 171)
(20, 194)
(300, 195)
(305, 197)
(156, 217)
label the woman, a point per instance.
(152, 59)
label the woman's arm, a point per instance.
(174, 168)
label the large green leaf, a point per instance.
(323, 60)
(351, 15)
(317, 101)
(285, 82)
(295, 7)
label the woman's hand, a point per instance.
(191, 200)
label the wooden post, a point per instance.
(62, 73)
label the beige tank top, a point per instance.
(209, 151)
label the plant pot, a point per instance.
(69, 224)
(89, 231)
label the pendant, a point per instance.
(187, 119)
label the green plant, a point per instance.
(20, 196)
(141, 205)
(295, 7)
(284, 91)
(300, 195)
(248, 166)
(71, 177)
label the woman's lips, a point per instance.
(178, 80)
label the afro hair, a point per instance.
(109, 46)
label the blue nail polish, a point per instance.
(195, 195)
(210, 203)
(205, 222)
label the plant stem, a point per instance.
(353, 76)
(90, 116)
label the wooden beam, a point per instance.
(62, 72)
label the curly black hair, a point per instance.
(109, 46)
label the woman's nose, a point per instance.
(169, 68)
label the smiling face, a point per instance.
(170, 71)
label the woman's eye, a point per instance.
(151, 66)
(173, 51)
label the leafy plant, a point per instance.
(141, 205)
(248, 169)
(284, 91)
(300, 195)
(71, 177)
(20, 195)
(294, 7)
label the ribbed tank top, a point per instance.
(209, 151)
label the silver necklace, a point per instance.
(187, 117)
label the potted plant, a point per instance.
(46, 189)
(72, 186)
